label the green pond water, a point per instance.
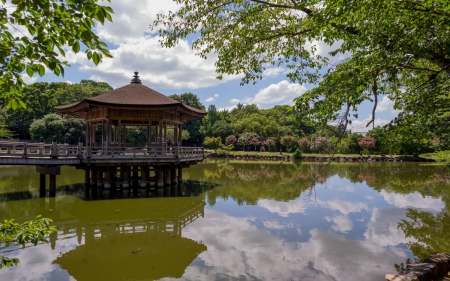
(235, 220)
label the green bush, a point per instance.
(297, 154)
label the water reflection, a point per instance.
(258, 223)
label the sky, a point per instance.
(178, 70)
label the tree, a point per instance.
(270, 142)
(212, 142)
(393, 48)
(367, 143)
(288, 142)
(230, 140)
(321, 144)
(61, 127)
(33, 231)
(34, 34)
(254, 141)
(245, 138)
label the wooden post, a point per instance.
(86, 176)
(160, 182)
(54, 152)
(41, 185)
(52, 191)
(99, 177)
(108, 135)
(107, 183)
(180, 134)
(93, 176)
(180, 174)
(174, 175)
(80, 148)
(144, 176)
(124, 176)
(167, 174)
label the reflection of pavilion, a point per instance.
(137, 239)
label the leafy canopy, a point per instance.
(396, 48)
(35, 35)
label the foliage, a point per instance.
(244, 139)
(304, 144)
(288, 142)
(212, 142)
(55, 125)
(262, 148)
(270, 142)
(40, 99)
(185, 135)
(230, 140)
(395, 49)
(33, 231)
(367, 142)
(321, 144)
(254, 141)
(4, 131)
(35, 33)
(297, 153)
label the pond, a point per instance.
(235, 220)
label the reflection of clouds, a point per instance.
(348, 188)
(237, 249)
(341, 223)
(36, 262)
(414, 200)
(277, 225)
(283, 209)
(345, 207)
(383, 227)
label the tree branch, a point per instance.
(375, 95)
(305, 10)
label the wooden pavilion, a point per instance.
(106, 156)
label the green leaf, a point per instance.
(76, 46)
(41, 70)
(30, 71)
(96, 58)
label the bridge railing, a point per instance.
(53, 150)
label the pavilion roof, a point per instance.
(132, 96)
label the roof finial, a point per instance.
(136, 79)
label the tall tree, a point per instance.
(34, 34)
(395, 48)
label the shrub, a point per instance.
(297, 154)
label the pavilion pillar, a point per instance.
(160, 177)
(107, 135)
(180, 134)
(175, 134)
(99, 177)
(107, 182)
(167, 176)
(124, 173)
(180, 174)
(165, 133)
(41, 185)
(173, 172)
(52, 191)
(88, 127)
(161, 132)
(86, 176)
(144, 176)
(93, 176)
(149, 133)
(119, 132)
(156, 135)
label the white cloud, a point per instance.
(284, 209)
(27, 79)
(227, 108)
(235, 101)
(209, 99)
(414, 200)
(273, 224)
(341, 223)
(383, 227)
(283, 92)
(345, 207)
(360, 125)
(386, 105)
(174, 68)
(216, 95)
(273, 72)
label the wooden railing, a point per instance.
(25, 150)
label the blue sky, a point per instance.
(178, 70)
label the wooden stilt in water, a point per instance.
(167, 176)
(52, 191)
(173, 172)
(160, 182)
(41, 185)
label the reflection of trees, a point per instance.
(432, 232)
(247, 182)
